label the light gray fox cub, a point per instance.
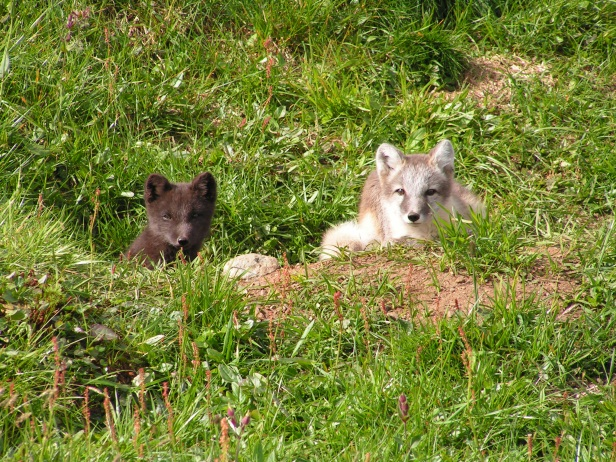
(403, 199)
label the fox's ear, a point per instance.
(205, 185)
(441, 156)
(155, 186)
(388, 158)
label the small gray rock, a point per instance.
(251, 265)
(102, 333)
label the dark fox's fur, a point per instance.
(179, 217)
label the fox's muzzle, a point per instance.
(413, 217)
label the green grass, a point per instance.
(285, 103)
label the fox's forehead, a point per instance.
(189, 201)
(418, 175)
(181, 200)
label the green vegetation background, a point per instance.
(285, 102)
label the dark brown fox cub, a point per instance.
(179, 217)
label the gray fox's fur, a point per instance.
(403, 199)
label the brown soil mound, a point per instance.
(416, 289)
(488, 79)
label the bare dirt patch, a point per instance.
(488, 78)
(414, 289)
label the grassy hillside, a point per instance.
(285, 103)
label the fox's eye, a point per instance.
(430, 192)
(195, 215)
(399, 191)
(166, 216)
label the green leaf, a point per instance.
(257, 454)
(178, 80)
(154, 340)
(10, 296)
(16, 314)
(301, 341)
(5, 65)
(215, 355)
(229, 373)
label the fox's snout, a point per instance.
(184, 236)
(413, 217)
(415, 210)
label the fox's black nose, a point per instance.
(182, 241)
(413, 217)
